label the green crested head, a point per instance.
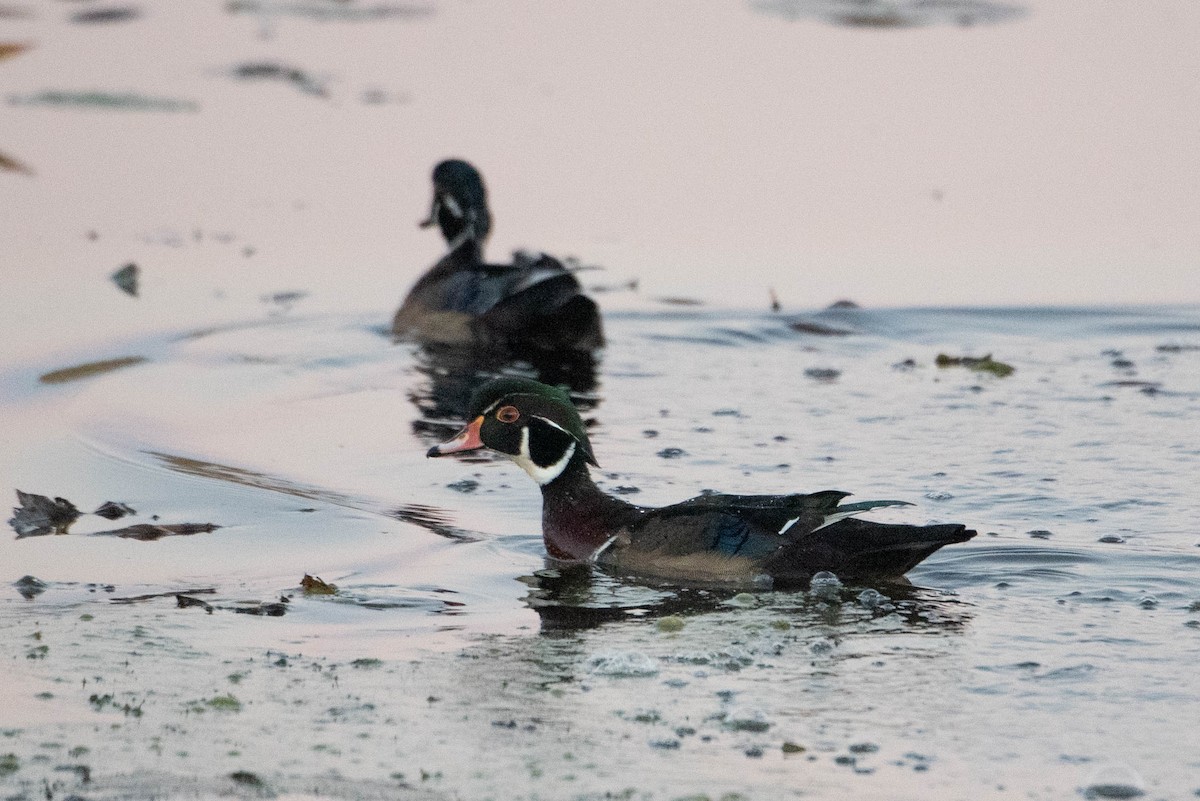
(535, 403)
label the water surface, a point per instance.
(1056, 646)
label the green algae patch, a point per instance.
(670, 623)
(366, 663)
(9, 764)
(985, 364)
(108, 101)
(224, 703)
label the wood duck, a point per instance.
(753, 540)
(532, 303)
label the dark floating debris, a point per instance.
(149, 532)
(893, 13)
(624, 286)
(12, 165)
(1040, 534)
(329, 11)
(775, 304)
(113, 510)
(907, 364)
(1177, 348)
(820, 329)
(150, 596)
(37, 515)
(671, 453)
(274, 71)
(102, 15)
(314, 585)
(30, 587)
(985, 364)
(10, 49)
(90, 369)
(826, 375)
(679, 301)
(284, 300)
(265, 609)
(1142, 385)
(126, 279)
(115, 101)
(844, 303)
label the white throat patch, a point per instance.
(542, 475)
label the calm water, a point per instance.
(1054, 653)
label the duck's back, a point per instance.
(532, 302)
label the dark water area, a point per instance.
(1051, 656)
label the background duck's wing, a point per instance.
(537, 301)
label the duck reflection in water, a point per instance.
(570, 598)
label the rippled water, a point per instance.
(1055, 651)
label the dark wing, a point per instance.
(701, 532)
(767, 512)
(538, 301)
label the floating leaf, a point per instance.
(985, 364)
(186, 601)
(90, 369)
(10, 49)
(149, 532)
(38, 515)
(315, 586)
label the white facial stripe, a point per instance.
(542, 475)
(788, 525)
(552, 423)
(452, 206)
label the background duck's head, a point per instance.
(534, 424)
(459, 203)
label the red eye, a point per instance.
(508, 414)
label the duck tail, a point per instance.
(854, 549)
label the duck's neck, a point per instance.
(577, 517)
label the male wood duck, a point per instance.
(755, 540)
(532, 303)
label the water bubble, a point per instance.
(825, 586)
(621, 663)
(872, 599)
(1115, 781)
(935, 495)
(822, 646)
